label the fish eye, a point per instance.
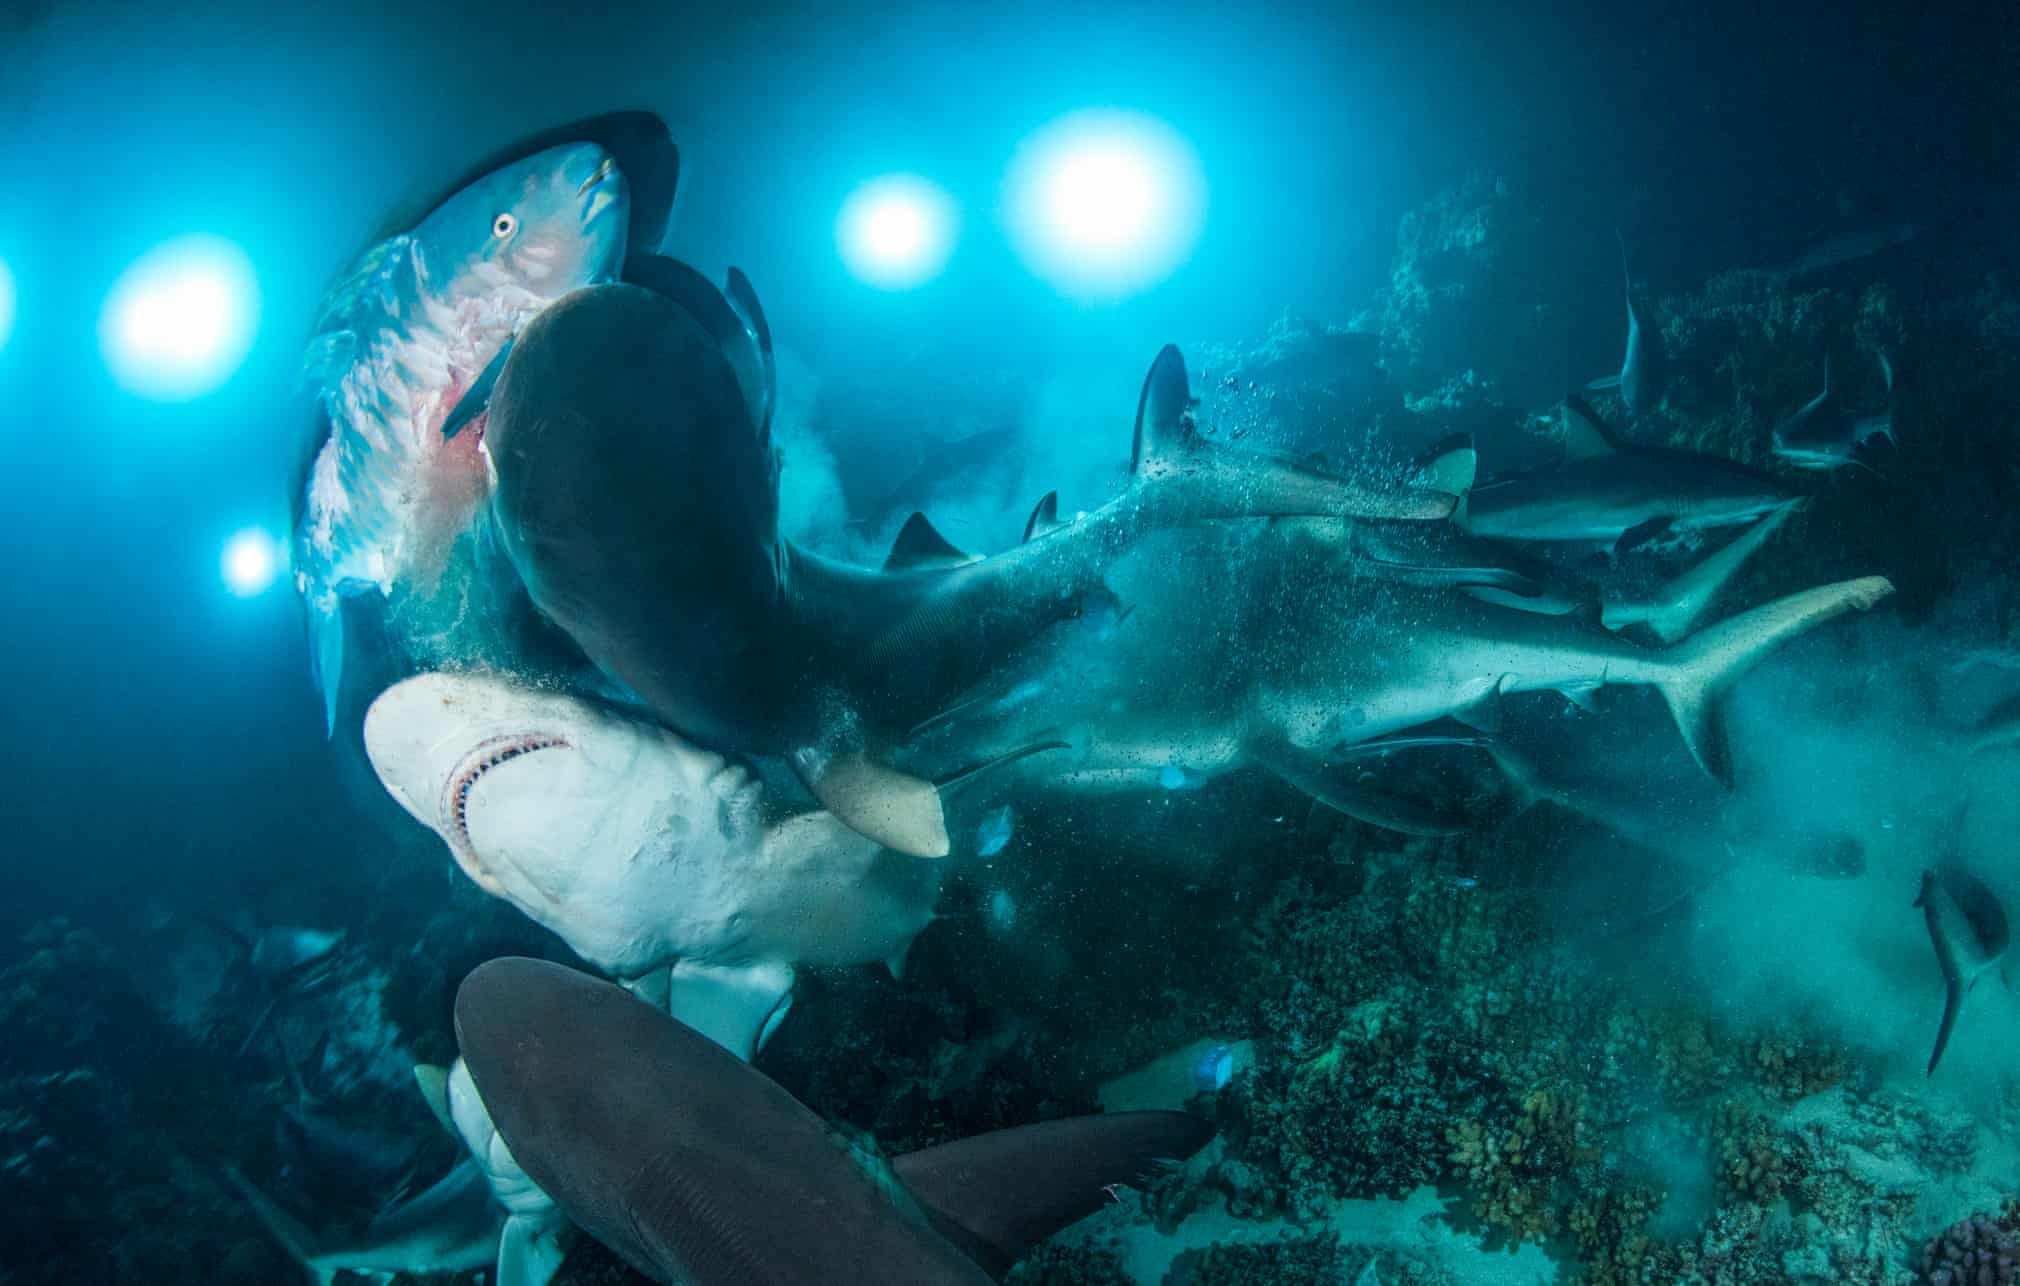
(504, 225)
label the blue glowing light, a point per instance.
(897, 232)
(180, 320)
(252, 559)
(1102, 204)
(6, 303)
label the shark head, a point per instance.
(607, 829)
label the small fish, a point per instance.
(993, 835)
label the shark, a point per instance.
(1823, 435)
(635, 492)
(1608, 491)
(1970, 934)
(1999, 729)
(649, 856)
(451, 1226)
(1644, 367)
(696, 1168)
(1304, 671)
(410, 340)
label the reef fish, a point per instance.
(698, 1169)
(409, 343)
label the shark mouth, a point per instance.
(488, 755)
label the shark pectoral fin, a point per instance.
(919, 545)
(530, 1250)
(1580, 695)
(1434, 576)
(292, 1234)
(996, 1195)
(433, 1082)
(1044, 517)
(1642, 533)
(477, 398)
(1345, 789)
(899, 811)
(736, 1006)
(1693, 675)
(652, 986)
(1953, 1000)
(1484, 712)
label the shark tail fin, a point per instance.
(1696, 673)
(998, 1194)
(292, 1234)
(1953, 1000)
(1676, 608)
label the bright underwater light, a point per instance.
(1103, 203)
(897, 232)
(180, 319)
(6, 303)
(252, 559)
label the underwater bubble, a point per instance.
(897, 232)
(180, 321)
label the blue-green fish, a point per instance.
(407, 346)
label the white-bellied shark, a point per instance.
(1823, 435)
(650, 857)
(1968, 929)
(408, 345)
(1645, 365)
(637, 497)
(1607, 488)
(697, 1169)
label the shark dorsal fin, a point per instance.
(919, 544)
(742, 345)
(743, 298)
(1044, 517)
(1585, 434)
(1164, 425)
(1450, 466)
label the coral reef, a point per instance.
(1983, 1250)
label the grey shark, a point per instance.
(1823, 435)
(1969, 931)
(1607, 487)
(1304, 671)
(636, 494)
(408, 345)
(1861, 243)
(1644, 367)
(452, 1226)
(697, 1169)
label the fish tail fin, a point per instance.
(1675, 609)
(292, 1234)
(1953, 1000)
(1696, 673)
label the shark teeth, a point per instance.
(488, 755)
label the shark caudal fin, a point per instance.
(292, 1234)
(1953, 1000)
(998, 1194)
(1696, 673)
(1675, 608)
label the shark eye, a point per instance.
(504, 225)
